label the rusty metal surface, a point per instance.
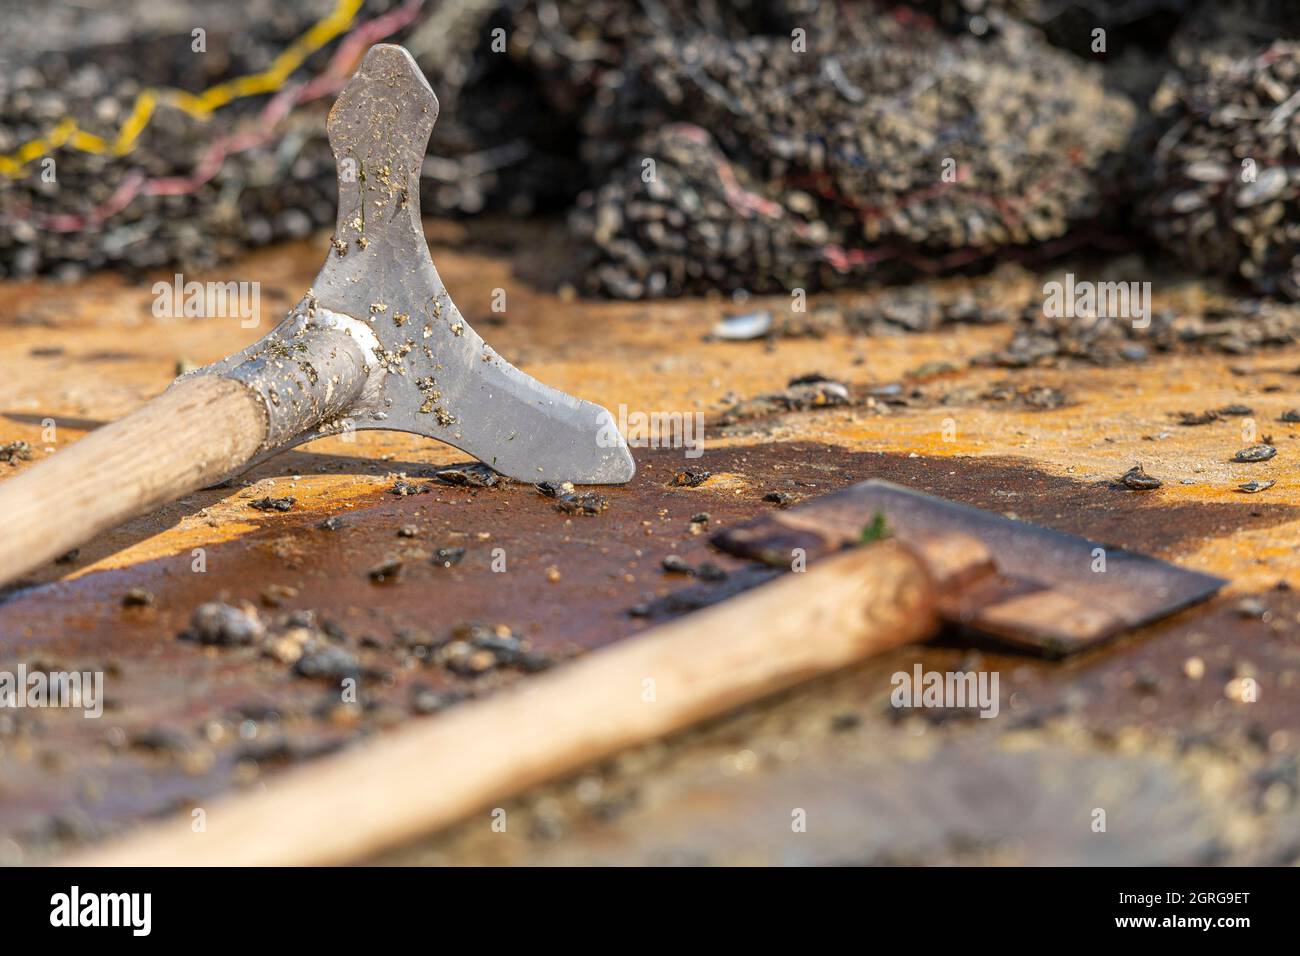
(1136, 719)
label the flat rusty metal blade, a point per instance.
(1049, 593)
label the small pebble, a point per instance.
(1251, 607)
(226, 625)
(469, 475)
(465, 660)
(1137, 479)
(676, 564)
(403, 488)
(1255, 453)
(15, 451)
(690, 478)
(327, 662)
(137, 597)
(446, 557)
(386, 572)
(275, 595)
(554, 489)
(584, 503)
(1252, 487)
(274, 504)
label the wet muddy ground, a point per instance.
(1152, 729)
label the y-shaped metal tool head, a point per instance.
(426, 371)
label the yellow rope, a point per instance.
(68, 133)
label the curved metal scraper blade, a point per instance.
(440, 378)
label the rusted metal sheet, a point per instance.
(186, 722)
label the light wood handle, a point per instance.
(438, 769)
(190, 436)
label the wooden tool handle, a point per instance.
(435, 770)
(190, 436)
